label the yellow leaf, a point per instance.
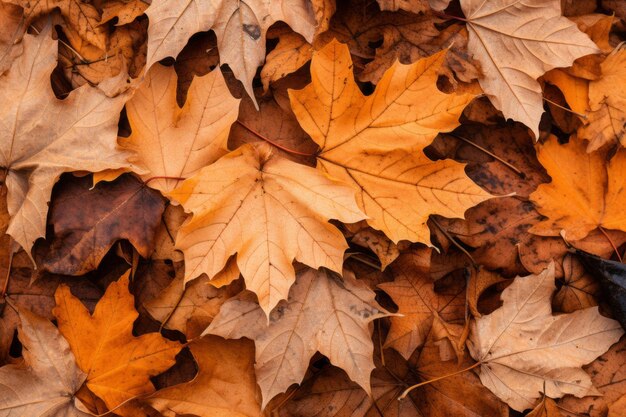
(269, 211)
(375, 143)
(118, 365)
(586, 192)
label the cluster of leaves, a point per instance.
(189, 222)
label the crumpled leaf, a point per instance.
(169, 141)
(423, 311)
(118, 365)
(269, 211)
(324, 313)
(225, 385)
(517, 42)
(88, 221)
(40, 142)
(375, 143)
(586, 191)
(240, 27)
(607, 101)
(45, 384)
(524, 350)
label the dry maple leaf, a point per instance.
(169, 141)
(240, 27)
(375, 143)
(291, 53)
(269, 211)
(45, 384)
(88, 221)
(124, 10)
(414, 6)
(524, 350)
(607, 101)
(423, 311)
(11, 32)
(324, 313)
(40, 142)
(586, 192)
(516, 42)
(225, 385)
(81, 16)
(118, 365)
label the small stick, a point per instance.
(584, 116)
(606, 235)
(254, 132)
(412, 387)
(454, 242)
(163, 177)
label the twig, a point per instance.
(584, 116)
(271, 142)
(606, 235)
(412, 387)
(454, 242)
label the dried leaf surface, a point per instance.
(516, 42)
(296, 330)
(524, 350)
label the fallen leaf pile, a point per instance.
(277, 208)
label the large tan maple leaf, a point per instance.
(324, 313)
(42, 137)
(375, 143)
(525, 351)
(169, 141)
(45, 384)
(118, 364)
(516, 42)
(240, 27)
(585, 193)
(269, 211)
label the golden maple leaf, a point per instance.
(375, 143)
(585, 192)
(269, 211)
(118, 365)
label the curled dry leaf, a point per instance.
(225, 385)
(375, 143)
(516, 43)
(269, 211)
(586, 191)
(39, 143)
(118, 365)
(47, 381)
(295, 330)
(291, 53)
(524, 350)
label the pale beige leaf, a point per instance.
(42, 137)
(240, 27)
(324, 313)
(269, 211)
(516, 42)
(46, 384)
(169, 141)
(375, 143)
(524, 350)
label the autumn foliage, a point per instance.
(312, 208)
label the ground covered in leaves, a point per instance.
(312, 208)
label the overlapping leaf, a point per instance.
(375, 143)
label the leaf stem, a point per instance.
(271, 142)
(449, 16)
(606, 235)
(412, 387)
(163, 177)
(584, 116)
(454, 242)
(5, 287)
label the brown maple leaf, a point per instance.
(296, 329)
(40, 142)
